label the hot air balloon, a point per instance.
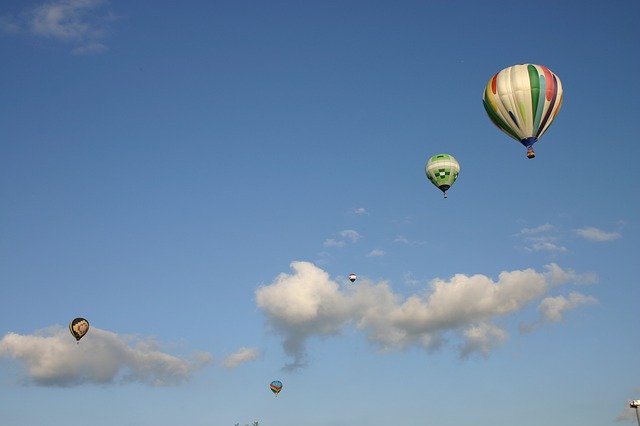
(522, 101)
(78, 328)
(442, 170)
(276, 387)
(352, 277)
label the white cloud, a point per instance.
(301, 305)
(348, 235)
(546, 246)
(558, 275)
(410, 280)
(78, 22)
(545, 228)
(552, 309)
(594, 234)
(308, 304)
(360, 211)
(401, 239)
(482, 338)
(542, 238)
(351, 235)
(376, 253)
(52, 358)
(241, 356)
(330, 242)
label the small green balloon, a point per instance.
(442, 170)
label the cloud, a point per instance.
(301, 305)
(546, 246)
(330, 242)
(80, 23)
(375, 253)
(482, 338)
(552, 309)
(598, 235)
(360, 211)
(52, 358)
(545, 228)
(348, 235)
(241, 356)
(401, 239)
(307, 303)
(558, 275)
(542, 238)
(351, 235)
(410, 280)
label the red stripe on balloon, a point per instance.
(550, 83)
(494, 84)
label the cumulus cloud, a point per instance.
(241, 356)
(375, 253)
(52, 358)
(81, 23)
(598, 235)
(553, 309)
(482, 338)
(301, 305)
(308, 303)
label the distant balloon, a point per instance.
(522, 101)
(352, 277)
(78, 328)
(442, 170)
(276, 387)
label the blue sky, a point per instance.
(198, 180)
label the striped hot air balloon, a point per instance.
(276, 387)
(522, 101)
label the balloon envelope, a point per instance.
(522, 101)
(442, 170)
(352, 277)
(276, 387)
(79, 327)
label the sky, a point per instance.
(198, 180)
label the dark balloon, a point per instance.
(78, 328)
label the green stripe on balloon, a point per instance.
(534, 82)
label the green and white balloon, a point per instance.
(442, 170)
